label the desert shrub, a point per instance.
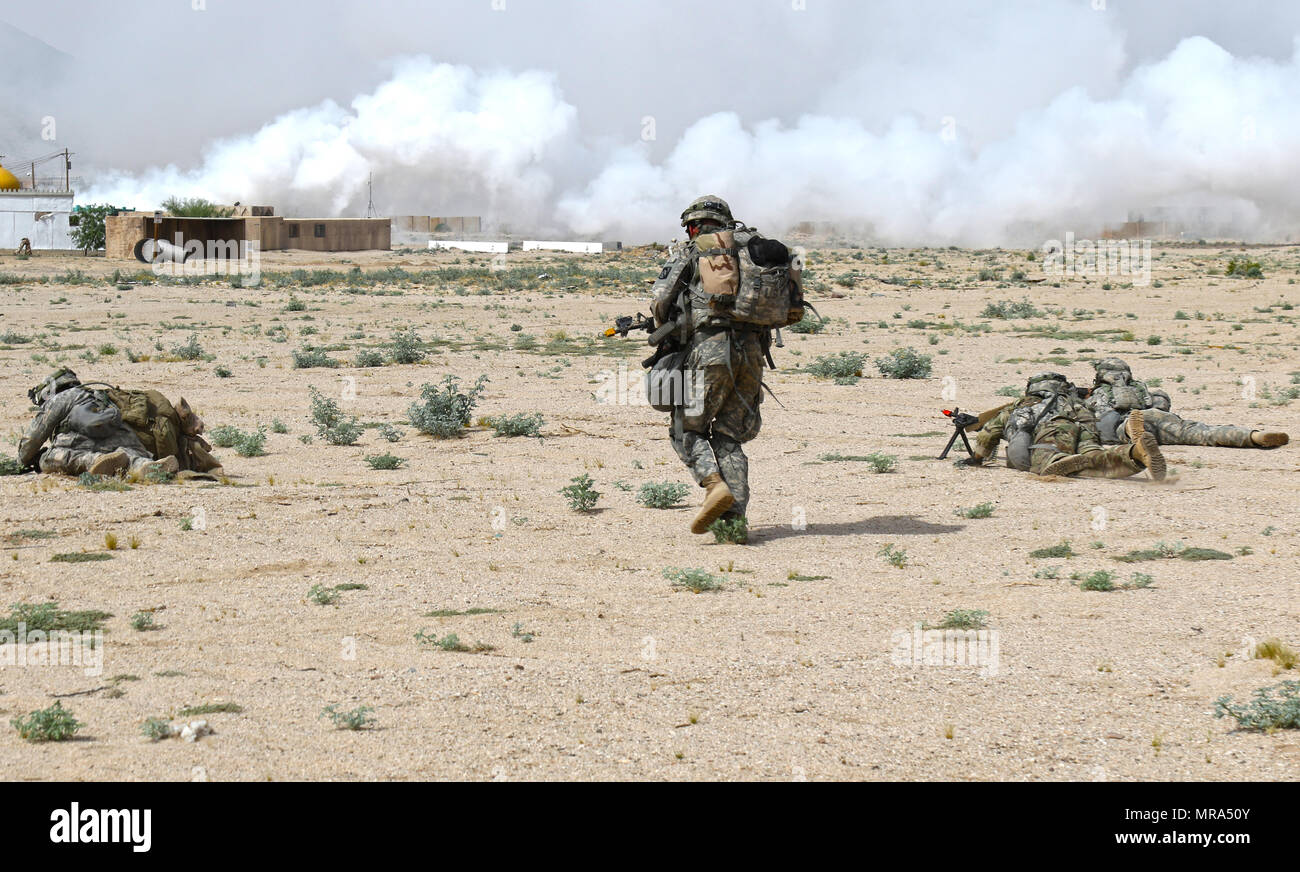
(224, 436)
(53, 724)
(1278, 651)
(696, 580)
(517, 425)
(157, 729)
(191, 350)
(390, 433)
(1099, 580)
(1052, 551)
(450, 642)
(384, 461)
(981, 510)
(733, 531)
(1008, 310)
(881, 462)
(47, 617)
(1244, 269)
(251, 444)
(369, 358)
(1266, 712)
(581, 495)
(10, 465)
(811, 323)
(896, 557)
(904, 363)
(356, 719)
(322, 595)
(445, 411)
(311, 358)
(844, 367)
(330, 422)
(661, 495)
(101, 483)
(964, 619)
(407, 347)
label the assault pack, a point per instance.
(749, 279)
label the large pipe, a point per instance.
(152, 251)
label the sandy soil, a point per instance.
(626, 676)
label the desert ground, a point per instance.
(594, 664)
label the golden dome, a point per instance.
(8, 181)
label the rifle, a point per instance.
(661, 338)
(960, 421)
(963, 422)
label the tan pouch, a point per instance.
(719, 272)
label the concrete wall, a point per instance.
(334, 234)
(470, 245)
(40, 217)
(458, 224)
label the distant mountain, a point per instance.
(32, 71)
(30, 62)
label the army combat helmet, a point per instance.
(60, 380)
(1112, 371)
(1046, 384)
(709, 207)
(1160, 400)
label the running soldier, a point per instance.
(726, 289)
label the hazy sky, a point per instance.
(157, 83)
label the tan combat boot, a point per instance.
(717, 499)
(169, 465)
(1265, 439)
(1146, 450)
(112, 463)
(1072, 463)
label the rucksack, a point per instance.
(153, 419)
(748, 278)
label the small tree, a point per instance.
(88, 233)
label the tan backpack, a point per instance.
(748, 278)
(153, 419)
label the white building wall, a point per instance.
(559, 245)
(40, 217)
(467, 245)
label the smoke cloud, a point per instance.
(445, 133)
(1199, 136)
(910, 122)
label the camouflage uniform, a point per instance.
(80, 425)
(1048, 424)
(724, 378)
(1117, 393)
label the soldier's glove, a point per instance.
(970, 461)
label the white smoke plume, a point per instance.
(1206, 137)
(1199, 133)
(431, 133)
